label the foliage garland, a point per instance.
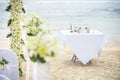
(16, 9)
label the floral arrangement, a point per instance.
(16, 10)
(3, 63)
(42, 45)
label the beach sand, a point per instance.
(111, 48)
(107, 67)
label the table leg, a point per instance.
(75, 59)
(89, 62)
(72, 57)
(98, 54)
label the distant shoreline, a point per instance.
(4, 32)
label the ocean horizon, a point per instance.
(100, 15)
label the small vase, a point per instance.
(41, 71)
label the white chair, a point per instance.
(11, 71)
(3, 77)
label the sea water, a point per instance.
(103, 15)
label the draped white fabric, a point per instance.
(10, 72)
(85, 45)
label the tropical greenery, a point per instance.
(16, 9)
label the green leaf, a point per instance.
(22, 56)
(41, 59)
(22, 42)
(9, 35)
(23, 10)
(52, 54)
(30, 34)
(20, 71)
(33, 58)
(8, 8)
(9, 22)
(3, 62)
(37, 24)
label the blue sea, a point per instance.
(103, 15)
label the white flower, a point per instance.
(40, 40)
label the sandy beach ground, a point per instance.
(111, 48)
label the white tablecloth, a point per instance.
(84, 46)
